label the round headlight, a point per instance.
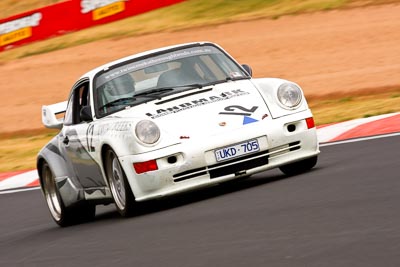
(289, 95)
(147, 132)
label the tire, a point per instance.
(299, 166)
(119, 185)
(63, 216)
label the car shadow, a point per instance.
(187, 198)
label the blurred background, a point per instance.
(344, 54)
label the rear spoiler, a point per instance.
(49, 113)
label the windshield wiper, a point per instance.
(226, 80)
(191, 86)
(188, 86)
(161, 90)
(154, 91)
(236, 78)
(117, 102)
(150, 94)
(126, 99)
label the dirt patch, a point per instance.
(333, 52)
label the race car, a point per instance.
(167, 121)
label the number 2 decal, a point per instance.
(238, 110)
(89, 136)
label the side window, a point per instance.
(68, 113)
(79, 98)
(84, 97)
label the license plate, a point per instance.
(237, 150)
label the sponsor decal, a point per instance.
(241, 111)
(197, 103)
(102, 8)
(18, 29)
(236, 74)
(108, 10)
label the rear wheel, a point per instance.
(119, 186)
(63, 216)
(300, 166)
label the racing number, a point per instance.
(239, 110)
(89, 136)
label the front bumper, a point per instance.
(192, 163)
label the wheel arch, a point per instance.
(117, 180)
(104, 148)
(39, 166)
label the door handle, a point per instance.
(66, 140)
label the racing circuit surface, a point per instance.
(342, 213)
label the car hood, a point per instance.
(210, 110)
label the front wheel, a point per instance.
(299, 166)
(119, 186)
(62, 215)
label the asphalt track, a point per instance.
(343, 213)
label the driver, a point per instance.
(120, 87)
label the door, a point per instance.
(74, 139)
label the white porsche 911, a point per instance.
(166, 121)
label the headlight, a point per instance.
(147, 132)
(289, 95)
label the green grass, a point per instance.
(14, 7)
(18, 151)
(336, 109)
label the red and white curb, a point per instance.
(358, 128)
(18, 180)
(377, 125)
(12, 180)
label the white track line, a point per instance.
(359, 139)
(19, 190)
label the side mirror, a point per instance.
(86, 114)
(248, 69)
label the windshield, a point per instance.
(140, 81)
